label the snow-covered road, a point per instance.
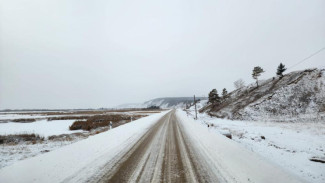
(163, 154)
(166, 147)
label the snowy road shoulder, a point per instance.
(89, 154)
(233, 161)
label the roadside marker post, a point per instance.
(195, 108)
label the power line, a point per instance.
(305, 59)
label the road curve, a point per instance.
(163, 154)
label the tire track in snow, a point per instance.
(161, 155)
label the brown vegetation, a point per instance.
(28, 120)
(68, 118)
(68, 137)
(15, 139)
(80, 112)
(97, 121)
(148, 112)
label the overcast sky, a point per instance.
(101, 53)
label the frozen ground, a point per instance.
(289, 145)
(9, 116)
(93, 152)
(43, 128)
(20, 116)
(13, 153)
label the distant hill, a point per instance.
(165, 103)
(298, 96)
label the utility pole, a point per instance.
(195, 108)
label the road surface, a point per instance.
(163, 154)
(166, 147)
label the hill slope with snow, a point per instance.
(298, 96)
(167, 102)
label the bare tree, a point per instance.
(239, 83)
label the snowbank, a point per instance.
(87, 155)
(289, 145)
(233, 161)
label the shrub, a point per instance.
(102, 121)
(16, 138)
(23, 120)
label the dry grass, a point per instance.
(140, 112)
(68, 118)
(17, 138)
(72, 115)
(97, 121)
(28, 120)
(68, 137)
(79, 112)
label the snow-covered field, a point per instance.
(9, 116)
(81, 159)
(43, 128)
(19, 116)
(289, 145)
(13, 152)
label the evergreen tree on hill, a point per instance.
(224, 94)
(280, 70)
(257, 71)
(214, 97)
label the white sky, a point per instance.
(101, 53)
